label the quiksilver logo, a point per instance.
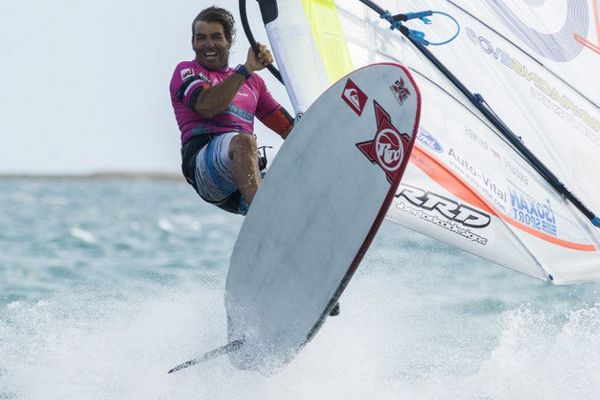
(354, 97)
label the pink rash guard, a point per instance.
(252, 99)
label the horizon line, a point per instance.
(145, 175)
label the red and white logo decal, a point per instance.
(186, 73)
(399, 91)
(388, 148)
(354, 97)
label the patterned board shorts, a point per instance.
(213, 169)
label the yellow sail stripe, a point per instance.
(329, 37)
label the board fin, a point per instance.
(219, 351)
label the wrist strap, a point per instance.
(241, 69)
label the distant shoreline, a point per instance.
(154, 176)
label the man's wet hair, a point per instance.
(220, 15)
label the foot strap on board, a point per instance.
(231, 346)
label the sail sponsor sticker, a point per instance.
(429, 140)
(443, 212)
(532, 212)
(354, 97)
(444, 206)
(484, 183)
(400, 91)
(388, 147)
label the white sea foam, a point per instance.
(419, 320)
(546, 357)
(166, 225)
(82, 234)
(179, 222)
(386, 344)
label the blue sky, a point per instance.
(85, 84)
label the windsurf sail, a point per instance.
(530, 68)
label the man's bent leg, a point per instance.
(244, 170)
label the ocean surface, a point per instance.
(106, 284)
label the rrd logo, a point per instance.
(387, 149)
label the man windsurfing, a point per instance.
(215, 106)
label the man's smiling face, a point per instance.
(210, 45)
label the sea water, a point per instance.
(107, 284)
